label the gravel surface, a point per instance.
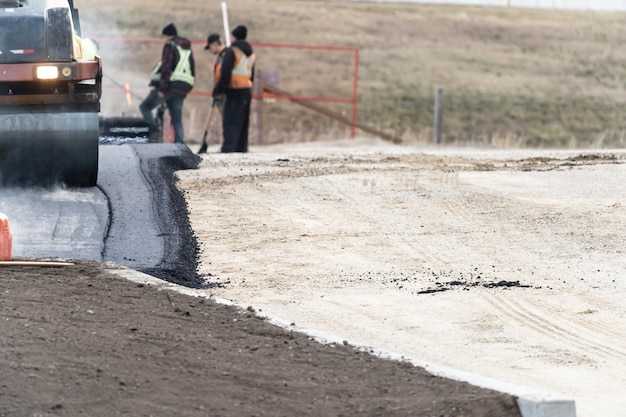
(503, 263)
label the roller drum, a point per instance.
(49, 148)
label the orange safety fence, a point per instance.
(351, 100)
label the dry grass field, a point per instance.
(511, 78)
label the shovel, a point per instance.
(206, 130)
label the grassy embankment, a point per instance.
(510, 77)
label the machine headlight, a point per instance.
(47, 73)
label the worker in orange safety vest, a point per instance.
(235, 82)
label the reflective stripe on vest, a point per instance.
(242, 71)
(182, 72)
(155, 75)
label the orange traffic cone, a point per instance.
(6, 239)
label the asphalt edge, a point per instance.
(158, 164)
(531, 402)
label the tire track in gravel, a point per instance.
(581, 335)
(574, 335)
(380, 221)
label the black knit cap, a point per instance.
(170, 30)
(240, 32)
(213, 37)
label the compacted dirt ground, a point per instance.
(79, 341)
(503, 263)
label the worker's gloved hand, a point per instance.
(215, 93)
(217, 99)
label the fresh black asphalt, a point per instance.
(135, 217)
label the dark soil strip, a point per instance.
(78, 341)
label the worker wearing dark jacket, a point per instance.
(177, 76)
(235, 82)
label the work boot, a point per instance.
(154, 136)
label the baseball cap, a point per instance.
(213, 37)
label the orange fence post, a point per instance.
(6, 239)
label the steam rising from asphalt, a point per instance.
(121, 66)
(16, 203)
(43, 216)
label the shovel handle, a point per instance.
(208, 120)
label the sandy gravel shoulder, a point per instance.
(509, 264)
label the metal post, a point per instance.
(438, 92)
(226, 28)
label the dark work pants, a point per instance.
(175, 106)
(146, 107)
(236, 120)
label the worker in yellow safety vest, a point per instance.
(177, 76)
(235, 82)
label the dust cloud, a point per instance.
(125, 77)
